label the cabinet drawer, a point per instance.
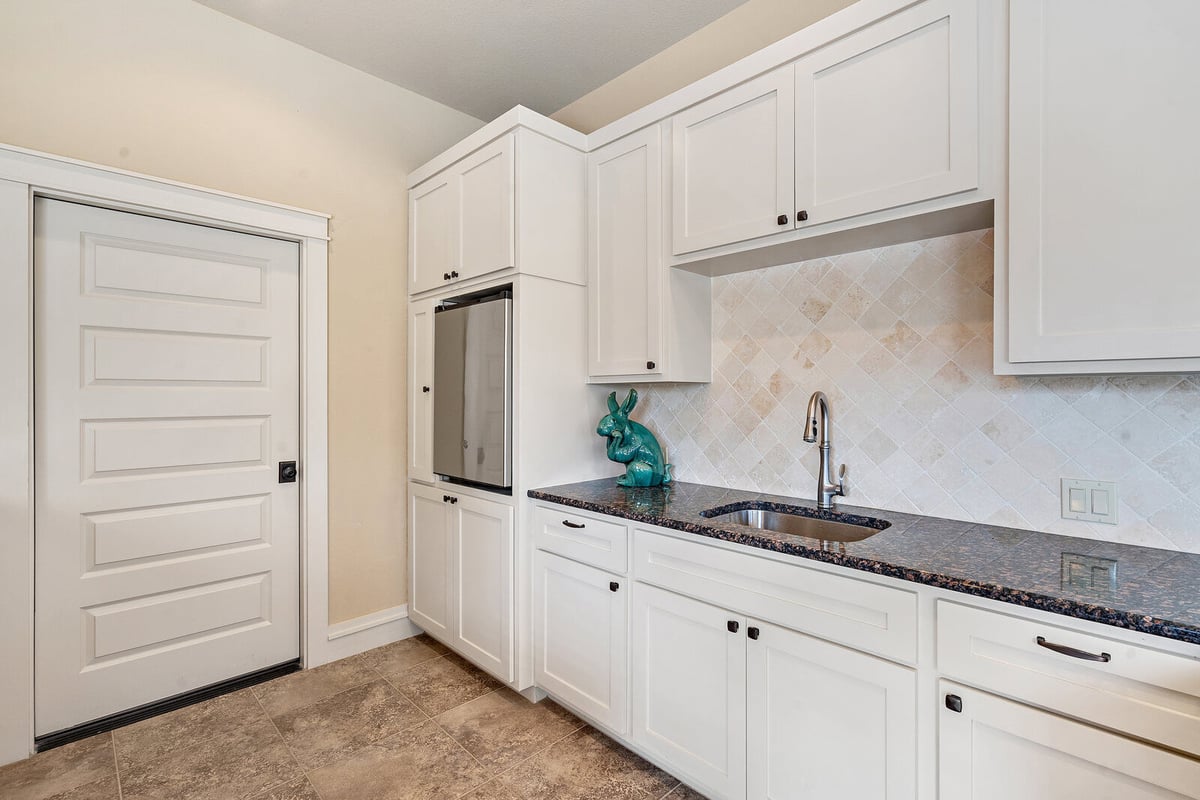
(865, 616)
(582, 537)
(1146, 693)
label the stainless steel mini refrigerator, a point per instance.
(472, 378)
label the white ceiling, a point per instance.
(485, 56)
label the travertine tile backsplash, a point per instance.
(900, 339)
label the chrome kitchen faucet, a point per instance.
(826, 491)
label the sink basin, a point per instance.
(829, 526)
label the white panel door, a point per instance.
(826, 721)
(1103, 167)
(487, 210)
(580, 638)
(625, 258)
(420, 390)
(689, 688)
(732, 162)
(166, 378)
(889, 115)
(996, 749)
(482, 611)
(430, 560)
(433, 247)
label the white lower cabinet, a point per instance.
(995, 749)
(751, 710)
(824, 721)
(689, 689)
(461, 571)
(580, 638)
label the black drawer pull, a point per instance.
(1073, 652)
(613, 586)
(954, 703)
(575, 525)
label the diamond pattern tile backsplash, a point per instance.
(900, 339)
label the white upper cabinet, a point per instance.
(732, 162)
(1104, 118)
(884, 121)
(487, 188)
(625, 269)
(510, 197)
(462, 220)
(432, 232)
(889, 116)
(646, 322)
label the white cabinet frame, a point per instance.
(24, 175)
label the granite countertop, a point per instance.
(1156, 591)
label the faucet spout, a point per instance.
(817, 422)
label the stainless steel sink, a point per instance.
(799, 521)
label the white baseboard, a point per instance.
(354, 636)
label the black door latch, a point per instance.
(287, 471)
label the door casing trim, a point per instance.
(26, 174)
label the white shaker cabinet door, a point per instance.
(826, 721)
(732, 165)
(996, 749)
(482, 554)
(1103, 170)
(433, 233)
(420, 391)
(429, 560)
(689, 689)
(581, 638)
(625, 260)
(889, 116)
(487, 208)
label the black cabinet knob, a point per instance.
(613, 586)
(445, 276)
(801, 216)
(453, 499)
(649, 365)
(732, 626)
(453, 273)
(954, 703)
(782, 219)
(445, 498)
(752, 632)
(425, 389)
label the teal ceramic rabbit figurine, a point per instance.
(631, 444)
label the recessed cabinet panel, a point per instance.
(625, 269)
(889, 116)
(689, 690)
(581, 638)
(1103, 168)
(995, 749)
(432, 232)
(487, 231)
(826, 721)
(420, 391)
(429, 560)
(483, 566)
(732, 165)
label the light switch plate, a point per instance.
(1090, 501)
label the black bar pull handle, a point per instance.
(575, 525)
(1063, 649)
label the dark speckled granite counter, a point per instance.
(1157, 591)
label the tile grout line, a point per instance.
(532, 755)
(287, 746)
(117, 765)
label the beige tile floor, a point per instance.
(405, 721)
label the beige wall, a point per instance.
(173, 89)
(746, 29)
